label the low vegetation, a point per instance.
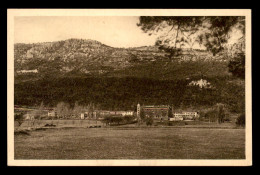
(118, 120)
(241, 120)
(19, 118)
(149, 121)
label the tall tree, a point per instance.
(142, 114)
(237, 66)
(77, 110)
(175, 31)
(63, 109)
(211, 31)
(218, 30)
(170, 114)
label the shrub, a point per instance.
(149, 121)
(37, 117)
(21, 133)
(227, 118)
(221, 113)
(128, 119)
(106, 120)
(19, 118)
(113, 120)
(237, 66)
(211, 115)
(241, 120)
(117, 120)
(201, 116)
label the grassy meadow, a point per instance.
(131, 143)
(58, 123)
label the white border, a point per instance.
(126, 12)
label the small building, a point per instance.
(131, 113)
(124, 113)
(179, 118)
(52, 113)
(27, 71)
(82, 116)
(104, 113)
(28, 116)
(118, 113)
(186, 115)
(201, 83)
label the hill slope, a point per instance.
(118, 78)
(89, 57)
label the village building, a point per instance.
(28, 116)
(155, 111)
(82, 116)
(52, 113)
(27, 71)
(176, 118)
(128, 113)
(162, 112)
(201, 83)
(185, 115)
(102, 113)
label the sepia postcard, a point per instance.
(129, 87)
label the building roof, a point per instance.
(156, 107)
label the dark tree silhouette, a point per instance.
(19, 118)
(142, 115)
(211, 31)
(241, 120)
(237, 66)
(170, 114)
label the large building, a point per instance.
(162, 112)
(155, 111)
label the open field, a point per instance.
(131, 143)
(58, 123)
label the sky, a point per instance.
(115, 31)
(112, 31)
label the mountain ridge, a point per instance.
(91, 57)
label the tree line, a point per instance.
(125, 93)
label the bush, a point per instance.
(117, 120)
(113, 120)
(128, 119)
(211, 115)
(221, 114)
(19, 118)
(241, 120)
(227, 118)
(201, 116)
(21, 133)
(237, 66)
(149, 121)
(170, 124)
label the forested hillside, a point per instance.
(88, 71)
